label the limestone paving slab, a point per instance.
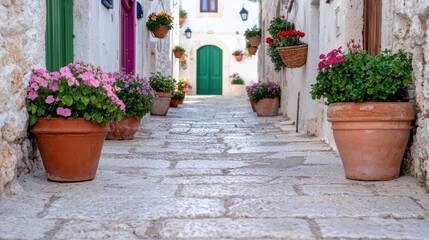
(201, 164)
(226, 228)
(12, 227)
(192, 180)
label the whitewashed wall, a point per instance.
(219, 29)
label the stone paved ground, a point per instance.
(212, 170)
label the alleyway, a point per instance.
(212, 169)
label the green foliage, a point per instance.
(277, 25)
(255, 31)
(359, 77)
(161, 83)
(178, 49)
(177, 95)
(183, 13)
(157, 20)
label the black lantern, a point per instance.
(188, 32)
(244, 14)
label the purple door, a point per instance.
(128, 10)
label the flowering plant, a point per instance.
(238, 53)
(289, 38)
(236, 79)
(261, 90)
(183, 13)
(356, 76)
(157, 20)
(178, 49)
(77, 90)
(136, 94)
(183, 85)
(255, 31)
(161, 83)
(277, 25)
(177, 95)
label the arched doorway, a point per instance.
(128, 10)
(209, 70)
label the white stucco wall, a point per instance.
(220, 29)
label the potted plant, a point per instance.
(183, 86)
(291, 49)
(163, 85)
(68, 111)
(252, 50)
(253, 35)
(178, 51)
(266, 96)
(138, 97)
(249, 91)
(367, 106)
(277, 25)
(238, 54)
(182, 16)
(237, 85)
(159, 24)
(176, 98)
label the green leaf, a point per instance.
(80, 106)
(32, 119)
(33, 109)
(67, 100)
(85, 100)
(87, 116)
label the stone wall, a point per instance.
(22, 47)
(410, 31)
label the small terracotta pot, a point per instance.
(238, 58)
(174, 102)
(125, 129)
(371, 137)
(267, 107)
(252, 50)
(70, 148)
(252, 103)
(181, 101)
(182, 58)
(161, 105)
(181, 21)
(178, 54)
(255, 40)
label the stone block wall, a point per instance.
(410, 31)
(22, 47)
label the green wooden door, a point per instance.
(59, 33)
(209, 70)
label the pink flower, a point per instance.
(50, 99)
(65, 112)
(322, 56)
(53, 86)
(57, 99)
(65, 72)
(331, 61)
(321, 66)
(32, 95)
(340, 59)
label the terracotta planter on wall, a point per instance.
(160, 32)
(371, 137)
(252, 50)
(255, 40)
(70, 148)
(181, 21)
(125, 129)
(238, 58)
(267, 107)
(178, 54)
(161, 105)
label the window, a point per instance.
(208, 5)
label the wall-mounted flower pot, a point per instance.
(255, 40)
(160, 32)
(371, 137)
(252, 50)
(161, 105)
(294, 56)
(181, 21)
(70, 148)
(238, 58)
(178, 54)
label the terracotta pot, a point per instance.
(178, 54)
(174, 102)
(182, 58)
(252, 103)
(255, 40)
(125, 129)
(267, 107)
(161, 105)
(181, 101)
(252, 50)
(160, 32)
(181, 21)
(70, 148)
(371, 137)
(239, 58)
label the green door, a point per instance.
(59, 33)
(209, 70)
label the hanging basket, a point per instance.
(182, 58)
(255, 40)
(294, 56)
(160, 32)
(239, 58)
(178, 54)
(252, 50)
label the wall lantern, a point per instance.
(244, 14)
(139, 11)
(107, 3)
(188, 33)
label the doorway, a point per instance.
(128, 10)
(209, 70)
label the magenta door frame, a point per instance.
(128, 18)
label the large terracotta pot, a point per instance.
(253, 105)
(267, 107)
(255, 40)
(70, 148)
(371, 137)
(125, 129)
(161, 105)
